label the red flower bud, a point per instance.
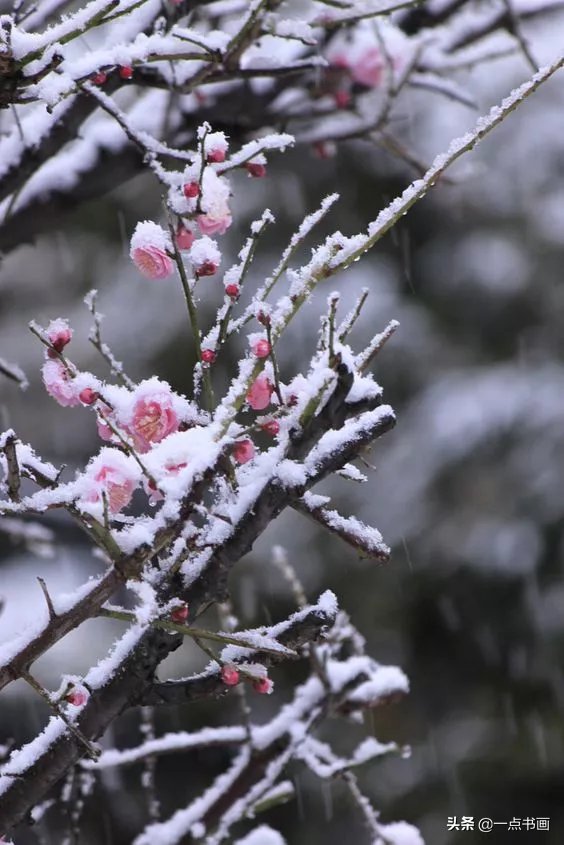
(272, 427)
(263, 686)
(207, 268)
(100, 77)
(216, 156)
(180, 614)
(230, 675)
(232, 291)
(208, 356)
(263, 318)
(126, 71)
(191, 190)
(262, 348)
(88, 396)
(256, 170)
(184, 237)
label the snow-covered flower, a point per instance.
(59, 333)
(260, 393)
(243, 451)
(59, 384)
(205, 256)
(261, 348)
(150, 245)
(113, 475)
(215, 218)
(184, 237)
(77, 696)
(264, 686)
(230, 675)
(153, 416)
(215, 147)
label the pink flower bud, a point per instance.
(59, 334)
(77, 696)
(263, 686)
(256, 170)
(243, 451)
(184, 237)
(180, 614)
(272, 427)
(126, 71)
(264, 318)
(208, 356)
(260, 393)
(207, 268)
(100, 77)
(214, 224)
(232, 291)
(216, 156)
(230, 675)
(191, 190)
(262, 348)
(88, 396)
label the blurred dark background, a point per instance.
(468, 489)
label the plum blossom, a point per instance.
(215, 218)
(261, 348)
(230, 675)
(150, 245)
(215, 147)
(59, 383)
(243, 451)
(264, 686)
(59, 333)
(113, 475)
(153, 417)
(205, 256)
(78, 696)
(184, 237)
(260, 393)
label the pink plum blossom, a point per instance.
(184, 237)
(77, 696)
(113, 475)
(261, 348)
(260, 393)
(180, 614)
(264, 686)
(152, 420)
(59, 383)
(210, 225)
(59, 334)
(243, 451)
(215, 217)
(230, 675)
(149, 250)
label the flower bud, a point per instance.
(262, 348)
(88, 396)
(191, 190)
(232, 291)
(180, 614)
(272, 427)
(230, 675)
(208, 356)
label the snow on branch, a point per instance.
(181, 487)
